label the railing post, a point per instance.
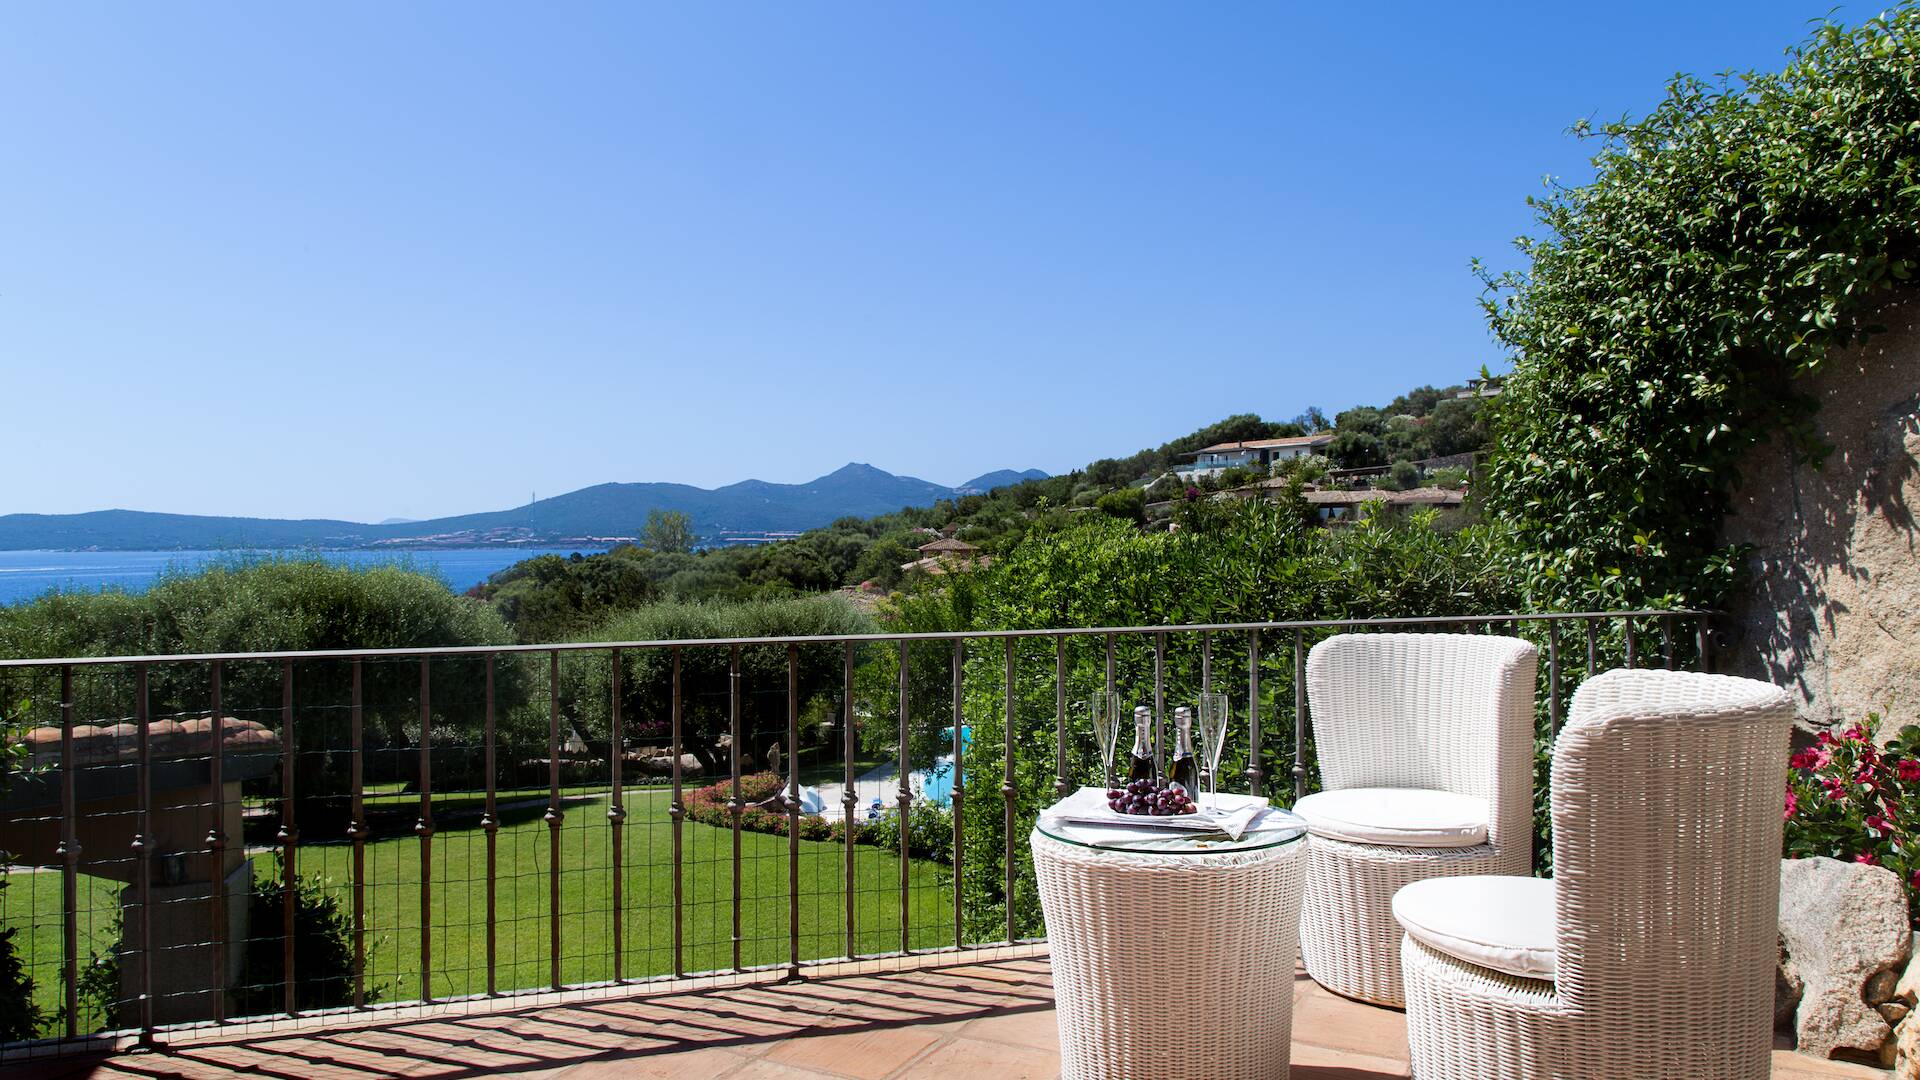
(848, 799)
(357, 835)
(903, 795)
(1254, 772)
(734, 806)
(1008, 791)
(1703, 640)
(1593, 647)
(554, 817)
(289, 839)
(1632, 653)
(1062, 785)
(143, 849)
(217, 846)
(676, 813)
(490, 825)
(1160, 704)
(793, 811)
(958, 790)
(616, 820)
(69, 853)
(1206, 687)
(1553, 677)
(1666, 639)
(424, 829)
(1299, 715)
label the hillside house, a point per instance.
(1258, 455)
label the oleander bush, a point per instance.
(1850, 799)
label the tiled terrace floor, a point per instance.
(962, 1021)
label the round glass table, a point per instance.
(1172, 955)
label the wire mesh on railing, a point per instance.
(403, 826)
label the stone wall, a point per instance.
(1832, 611)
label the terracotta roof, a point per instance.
(1264, 444)
(948, 546)
(100, 744)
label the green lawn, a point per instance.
(31, 901)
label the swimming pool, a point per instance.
(936, 781)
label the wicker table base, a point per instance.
(1171, 965)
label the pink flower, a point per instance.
(1821, 758)
(1836, 787)
(1824, 738)
(1864, 775)
(1915, 879)
(1856, 733)
(1793, 803)
(1866, 857)
(1879, 824)
(1801, 760)
(1909, 769)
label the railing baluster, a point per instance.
(616, 820)
(1703, 640)
(1061, 783)
(1111, 686)
(143, 849)
(1632, 653)
(1206, 687)
(1553, 677)
(958, 788)
(1299, 715)
(69, 853)
(1666, 639)
(1254, 771)
(289, 840)
(554, 817)
(903, 795)
(848, 800)
(357, 835)
(1007, 790)
(734, 805)
(1159, 703)
(217, 847)
(424, 829)
(676, 813)
(1593, 647)
(793, 811)
(490, 825)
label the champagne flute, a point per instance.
(1214, 715)
(1104, 706)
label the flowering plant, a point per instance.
(1850, 799)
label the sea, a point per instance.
(25, 575)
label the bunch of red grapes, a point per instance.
(1150, 797)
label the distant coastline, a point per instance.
(28, 574)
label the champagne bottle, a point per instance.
(1140, 763)
(1184, 772)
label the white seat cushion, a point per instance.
(1503, 923)
(1396, 817)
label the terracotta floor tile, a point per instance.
(1788, 1065)
(1034, 1027)
(865, 1055)
(1323, 1018)
(685, 1065)
(1320, 1063)
(978, 1058)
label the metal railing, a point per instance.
(279, 764)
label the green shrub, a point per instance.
(1728, 244)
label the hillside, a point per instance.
(601, 511)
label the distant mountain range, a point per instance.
(599, 513)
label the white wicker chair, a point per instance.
(1657, 936)
(1425, 744)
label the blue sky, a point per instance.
(371, 260)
